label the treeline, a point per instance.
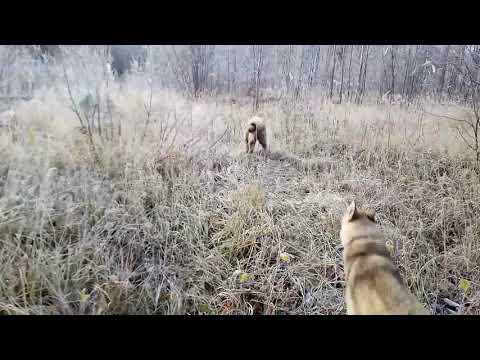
(343, 72)
(265, 72)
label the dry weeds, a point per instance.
(171, 224)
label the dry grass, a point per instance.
(185, 223)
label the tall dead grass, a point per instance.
(175, 219)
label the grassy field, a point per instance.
(167, 215)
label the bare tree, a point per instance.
(342, 57)
(467, 66)
(258, 60)
(443, 71)
(392, 65)
(332, 75)
(349, 71)
(201, 64)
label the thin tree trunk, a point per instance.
(359, 82)
(349, 72)
(258, 64)
(407, 71)
(333, 71)
(234, 75)
(228, 71)
(384, 82)
(413, 77)
(364, 74)
(392, 54)
(443, 71)
(315, 66)
(299, 76)
(343, 68)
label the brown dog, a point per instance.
(256, 131)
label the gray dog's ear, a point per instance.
(352, 212)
